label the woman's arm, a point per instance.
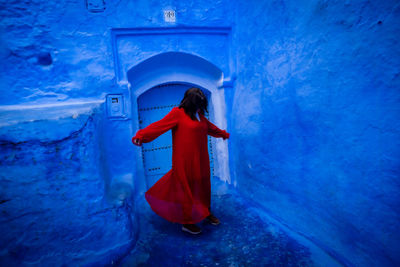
(215, 131)
(157, 128)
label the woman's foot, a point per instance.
(191, 228)
(212, 219)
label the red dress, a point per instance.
(183, 194)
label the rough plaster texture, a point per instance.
(53, 207)
(320, 80)
(313, 111)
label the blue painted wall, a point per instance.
(54, 206)
(313, 107)
(321, 82)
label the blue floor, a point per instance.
(242, 239)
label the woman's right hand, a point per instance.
(137, 142)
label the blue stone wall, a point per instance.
(53, 206)
(316, 118)
(67, 171)
(313, 112)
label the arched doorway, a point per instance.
(160, 81)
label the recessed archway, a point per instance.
(182, 68)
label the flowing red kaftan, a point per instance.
(183, 194)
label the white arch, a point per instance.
(178, 67)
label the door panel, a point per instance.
(153, 105)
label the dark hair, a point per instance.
(193, 100)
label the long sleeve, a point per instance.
(157, 128)
(215, 131)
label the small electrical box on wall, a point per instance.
(115, 107)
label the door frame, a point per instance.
(187, 69)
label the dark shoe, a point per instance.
(213, 220)
(191, 228)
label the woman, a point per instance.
(183, 195)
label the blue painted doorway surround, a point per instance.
(153, 105)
